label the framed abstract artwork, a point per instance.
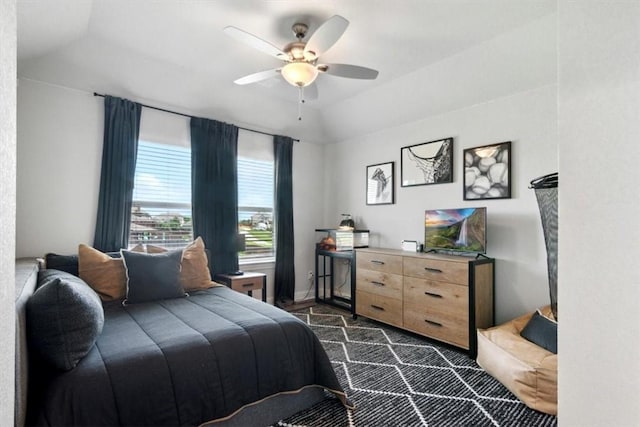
(487, 172)
(427, 163)
(380, 185)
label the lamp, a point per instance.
(299, 73)
(240, 246)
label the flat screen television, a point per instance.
(460, 230)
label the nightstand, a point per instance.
(246, 282)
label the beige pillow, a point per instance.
(152, 249)
(138, 248)
(195, 267)
(104, 274)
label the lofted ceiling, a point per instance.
(174, 54)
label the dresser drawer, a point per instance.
(447, 327)
(377, 282)
(379, 262)
(438, 297)
(387, 310)
(436, 269)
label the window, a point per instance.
(161, 210)
(255, 194)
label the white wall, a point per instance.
(514, 237)
(7, 207)
(308, 185)
(59, 156)
(599, 281)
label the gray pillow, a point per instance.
(68, 263)
(152, 277)
(64, 319)
(542, 331)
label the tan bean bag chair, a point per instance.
(527, 370)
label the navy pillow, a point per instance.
(542, 331)
(152, 276)
(64, 319)
(68, 263)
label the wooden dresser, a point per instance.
(443, 297)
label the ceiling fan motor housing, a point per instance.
(299, 30)
(295, 50)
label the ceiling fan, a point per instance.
(300, 58)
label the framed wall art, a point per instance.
(427, 163)
(487, 172)
(380, 185)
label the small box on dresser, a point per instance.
(443, 297)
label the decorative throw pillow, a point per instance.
(49, 275)
(542, 331)
(68, 263)
(137, 248)
(195, 272)
(102, 272)
(153, 249)
(152, 276)
(64, 318)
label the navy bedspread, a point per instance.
(184, 361)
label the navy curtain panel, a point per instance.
(119, 151)
(284, 276)
(214, 194)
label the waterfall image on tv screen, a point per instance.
(456, 229)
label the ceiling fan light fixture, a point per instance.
(299, 74)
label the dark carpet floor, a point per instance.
(400, 379)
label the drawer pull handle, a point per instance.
(377, 283)
(431, 322)
(431, 294)
(377, 307)
(246, 285)
(373, 261)
(433, 270)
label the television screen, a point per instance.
(461, 230)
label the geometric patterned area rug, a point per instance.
(396, 378)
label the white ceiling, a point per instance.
(173, 53)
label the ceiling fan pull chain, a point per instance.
(300, 101)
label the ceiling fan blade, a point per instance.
(255, 42)
(349, 71)
(257, 77)
(326, 35)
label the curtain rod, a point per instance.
(187, 115)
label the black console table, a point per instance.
(325, 278)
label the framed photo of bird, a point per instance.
(380, 184)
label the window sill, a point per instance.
(257, 261)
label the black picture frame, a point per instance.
(487, 172)
(380, 188)
(427, 163)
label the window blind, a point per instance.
(161, 212)
(255, 194)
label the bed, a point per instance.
(214, 357)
